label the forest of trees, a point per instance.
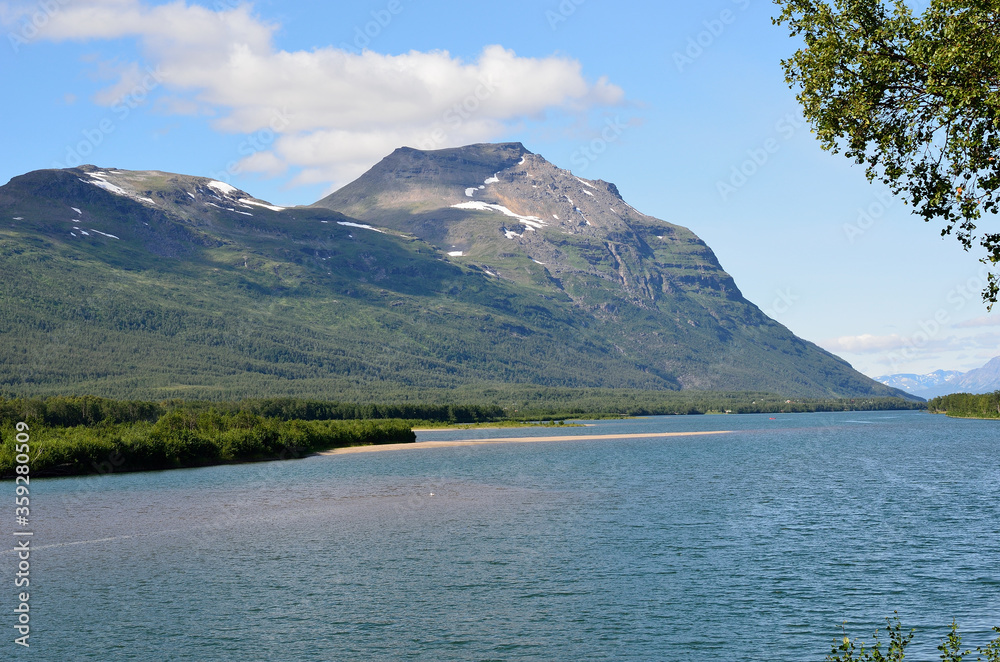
(967, 405)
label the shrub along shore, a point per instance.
(88, 434)
(78, 436)
(179, 440)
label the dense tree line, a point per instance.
(967, 405)
(579, 403)
(317, 410)
(60, 411)
(466, 405)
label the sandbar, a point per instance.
(480, 442)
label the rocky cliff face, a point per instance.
(489, 204)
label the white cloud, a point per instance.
(989, 340)
(345, 110)
(985, 320)
(866, 343)
(130, 77)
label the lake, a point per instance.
(752, 545)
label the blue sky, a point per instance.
(682, 105)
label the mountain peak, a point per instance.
(502, 207)
(502, 268)
(477, 150)
(184, 195)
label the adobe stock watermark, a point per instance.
(364, 35)
(714, 28)
(460, 112)
(587, 154)
(929, 329)
(758, 157)
(868, 216)
(32, 25)
(255, 143)
(120, 110)
(784, 301)
(562, 13)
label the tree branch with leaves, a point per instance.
(914, 98)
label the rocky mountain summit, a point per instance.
(490, 203)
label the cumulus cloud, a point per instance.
(340, 111)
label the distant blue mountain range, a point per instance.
(943, 382)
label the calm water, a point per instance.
(754, 545)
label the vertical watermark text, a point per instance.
(22, 532)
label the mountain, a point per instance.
(980, 380)
(921, 384)
(479, 267)
(657, 289)
(944, 382)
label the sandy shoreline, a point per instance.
(479, 442)
(502, 427)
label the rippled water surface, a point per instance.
(752, 545)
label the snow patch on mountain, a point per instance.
(98, 180)
(223, 188)
(359, 225)
(530, 221)
(257, 203)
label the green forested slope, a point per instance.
(172, 288)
